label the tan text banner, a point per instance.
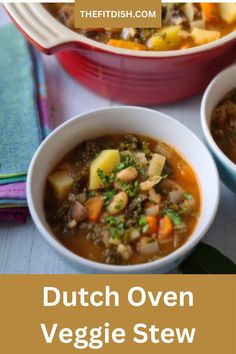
(26, 323)
(107, 14)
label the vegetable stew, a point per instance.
(184, 25)
(122, 199)
(223, 125)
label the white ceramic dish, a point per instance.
(218, 88)
(122, 120)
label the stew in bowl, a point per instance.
(218, 119)
(223, 125)
(122, 199)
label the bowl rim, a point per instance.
(143, 267)
(60, 35)
(205, 127)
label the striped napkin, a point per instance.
(24, 119)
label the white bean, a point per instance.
(149, 183)
(118, 203)
(128, 174)
(125, 251)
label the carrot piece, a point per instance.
(166, 229)
(119, 43)
(210, 11)
(152, 223)
(94, 207)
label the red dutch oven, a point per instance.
(133, 77)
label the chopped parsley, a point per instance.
(116, 226)
(115, 220)
(106, 180)
(174, 216)
(130, 188)
(119, 204)
(143, 223)
(138, 206)
(185, 211)
(92, 194)
(142, 220)
(116, 232)
(187, 196)
(126, 161)
(108, 195)
(111, 220)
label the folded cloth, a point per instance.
(19, 117)
(12, 191)
(24, 118)
(14, 214)
(12, 179)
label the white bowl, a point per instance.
(141, 121)
(218, 88)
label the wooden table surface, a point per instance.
(23, 250)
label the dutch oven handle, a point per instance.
(41, 29)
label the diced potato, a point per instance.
(156, 165)
(164, 150)
(61, 182)
(202, 36)
(189, 11)
(106, 161)
(227, 12)
(168, 38)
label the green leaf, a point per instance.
(116, 226)
(92, 194)
(119, 204)
(130, 188)
(174, 217)
(108, 195)
(126, 161)
(207, 260)
(142, 220)
(106, 180)
(187, 196)
(111, 220)
(116, 232)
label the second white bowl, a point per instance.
(222, 84)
